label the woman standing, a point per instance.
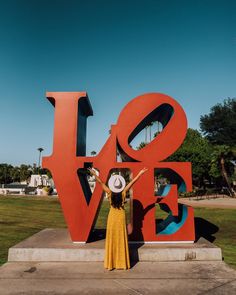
(116, 248)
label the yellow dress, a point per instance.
(116, 248)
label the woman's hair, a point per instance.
(116, 200)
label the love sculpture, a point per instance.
(68, 161)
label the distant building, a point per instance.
(32, 188)
(13, 188)
(39, 180)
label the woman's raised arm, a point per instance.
(104, 187)
(129, 185)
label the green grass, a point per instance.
(225, 219)
(20, 217)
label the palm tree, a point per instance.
(221, 153)
(40, 151)
(146, 127)
(159, 127)
(149, 126)
(150, 131)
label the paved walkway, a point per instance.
(73, 278)
(210, 202)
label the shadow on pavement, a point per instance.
(205, 229)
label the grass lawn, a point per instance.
(20, 217)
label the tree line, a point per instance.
(10, 173)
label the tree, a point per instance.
(42, 171)
(195, 149)
(146, 128)
(150, 131)
(159, 127)
(6, 173)
(219, 126)
(15, 174)
(34, 168)
(9, 174)
(25, 172)
(221, 165)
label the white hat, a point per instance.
(116, 183)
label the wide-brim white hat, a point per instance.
(116, 183)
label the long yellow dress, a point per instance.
(116, 248)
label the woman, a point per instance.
(116, 248)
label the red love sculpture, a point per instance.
(80, 206)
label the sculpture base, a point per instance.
(56, 245)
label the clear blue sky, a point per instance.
(114, 50)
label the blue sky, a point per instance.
(114, 50)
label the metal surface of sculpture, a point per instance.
(68, 162)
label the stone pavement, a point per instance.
(178, 278)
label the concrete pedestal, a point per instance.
(55, 245)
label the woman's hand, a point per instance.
(94, 172)
(143, 171)
(91, 171)
(129, 185)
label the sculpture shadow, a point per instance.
(137, 233)
(205, 229)
(97, 234)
